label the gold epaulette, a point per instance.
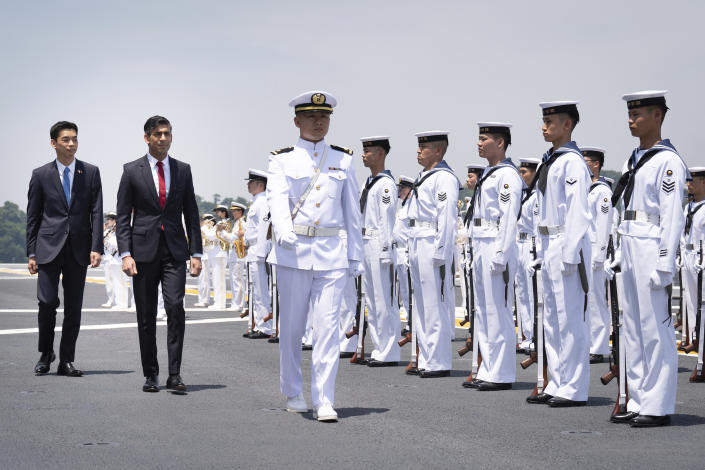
(341, 149)
(284, 150)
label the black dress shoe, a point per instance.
(45, 359)
(246, 334)
(306, 347)
(150, 385)
(596, 358)
(346, 355)
(432, 374)
(624, 417)
(376, 363)
(493, 386)
(541, 398)
(474, 383)
(258, 335)
(646, 421)
(67, 369)
(274, 340)
(412, 371)
(174, 382)
(558, 402)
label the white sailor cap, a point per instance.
(595, 153)
(220, 207)
(467, 199)
(376, 141)
(555, 107)
(207, 217)
(645, 98)
(477, 169)
(237, 205)
(494, 127)
(256, 175)
(316, 100)
(110, 215)
(405, 181)
(432, 136)
(529, 162)
(697, 170)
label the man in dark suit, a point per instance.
(155, 191)
(64, 236)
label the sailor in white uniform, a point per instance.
(432, 223)
(401, 255)
(651, 189)
(600, 204)
(313, 198)
(693, 235)
(218, 256)
(492, 224)
(378, 203)
(237, 264)
(562, 183)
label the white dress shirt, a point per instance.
(72, 167)
(155, 172)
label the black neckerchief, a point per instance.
(541, 179)
(691, 214)
(366, 191)
(625, 185)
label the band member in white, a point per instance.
(204, 279)
(237, 264)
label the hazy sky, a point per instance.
(223, 73)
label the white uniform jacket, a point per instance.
(256, 228)
(379, 215)
(600, 204)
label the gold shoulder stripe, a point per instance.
(284, 150)
(341, 149)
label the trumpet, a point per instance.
(239, 242)
(219, 227)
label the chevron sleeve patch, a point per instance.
(442, 197)
(504, 197)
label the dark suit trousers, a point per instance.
(172, 275)
(73, 281)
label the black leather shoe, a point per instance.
(376, 363)
(67, 369)
(246, 334)
(558, 402)
(258, 335)
(493, 386)
(474, 383)
(150, 385)
(541, 398)
(45, 359)
(624, 417)
(276, 340)
(346, 355)
(432, 374)
(174, 382)
(646, 421)
(306, 347)
(596, 358)
(412, 371)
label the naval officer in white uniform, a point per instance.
(313, 195)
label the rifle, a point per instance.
(469, 305)
(538, 354)
(270, 286)
(697, 375)
(679, 316)
(248, 313)
(275, 307)
(617, 359)
(409, 322)
(466, 320)
(359, 354)
(471, 340)
(683, 309)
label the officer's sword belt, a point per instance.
(309, 231)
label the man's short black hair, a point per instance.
(506, 137)
(574, 116)
(60, 126)
(154, 122)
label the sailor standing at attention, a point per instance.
(204, 278)
(600, 205)
(237, 263)
(493, 226)
(401, 255)
(691, 239)
(313, 198)
(378, 204)
(651, 189)
(563, 181)
(432, 223)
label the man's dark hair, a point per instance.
(506, 137)
(663, 109)
(574, 117)
(154, 122)
(60, 126)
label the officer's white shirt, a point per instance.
(435, 202)
(498, 201)
(600, 204)
(111, 249)
(256, 228)
(565, 203)
(380, 214)
(529, 216)
(333, 202)
(656, 192)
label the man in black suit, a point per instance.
(155, 191)
(64, 236)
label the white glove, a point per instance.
(496, 267)
(438, 262)
(660, 279)
(568, 268)
(288, 240)
(384, 258)
(531, 268)
(699, 267)
(355, 268)
(612, 268)
(598, 265)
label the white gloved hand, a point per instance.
(568, 268)
(496, 267)
(533, 265)
(438, 262)
(660, 279)
(598, 265)
(355, 268)
(385, 259)
(699, 267)
(288, 240)
(613, 267)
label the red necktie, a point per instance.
(162, 184)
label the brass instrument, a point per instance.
(239, 242)
(224, 224)
(206, 242)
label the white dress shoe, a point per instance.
(326, 413)
(296, 404)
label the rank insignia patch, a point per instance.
(386, 199)
(663, 253)
(442, 197)
(604, 209)
(668, 186)
(504, 197)
(571, 181)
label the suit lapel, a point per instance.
(54, 177)
(78, 177)
(174, 174)
(149, 180)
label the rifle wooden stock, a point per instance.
(529, 361)
(409, 366)
(697, 378)
(535, 391)
(352, 332)
(464, 321)
(268, 317)
(621, 408)
(466, 349)
(611, 374)
(690, 348)
(404, 340)
(479, 361)
(244, 314)
(677, 324)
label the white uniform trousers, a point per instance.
(120, 288)
(599, 318)
(382, 316)
(403, 277)
(347, 316)
(261, 297)
(651, 356)
(219, 288)
(238, 281)
(525, 291)
(204, 280)
(301, 290)
(433, 327)
(108, 283)
(496, 335)
(567, 344)
(690, 285)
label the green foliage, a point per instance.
(13, 223)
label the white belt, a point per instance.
(370, 232)
(477, 222)
(421, 224)
(641, 216)
(308, 231)
(524, 236)
(551, 229)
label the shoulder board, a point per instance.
(341, 149)
(284, 150)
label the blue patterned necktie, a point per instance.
(67, 186)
